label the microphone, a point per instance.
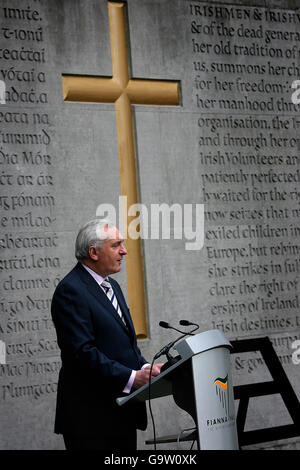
(188, 323)
(165, 350)
(164, 324)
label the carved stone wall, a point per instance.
(232, 144)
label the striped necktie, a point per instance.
(111, 295)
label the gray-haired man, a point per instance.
(100, 357)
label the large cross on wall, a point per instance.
(124, 91)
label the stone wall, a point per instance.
(232, 144)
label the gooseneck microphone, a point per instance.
(188, 323)
(164, 324)
(165, 350)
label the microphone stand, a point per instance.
(165, 350)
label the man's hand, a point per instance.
(156, 368)
(142, 376)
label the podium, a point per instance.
(200, 382)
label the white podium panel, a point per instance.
(214, 400)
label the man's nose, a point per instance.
(123, 250)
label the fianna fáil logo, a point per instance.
(222, 391)
(223, 400)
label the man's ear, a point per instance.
(94, 255)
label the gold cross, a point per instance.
(124, 91)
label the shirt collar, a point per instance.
(98, 278)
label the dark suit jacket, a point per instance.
(98, 355)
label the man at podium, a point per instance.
(100, 357)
